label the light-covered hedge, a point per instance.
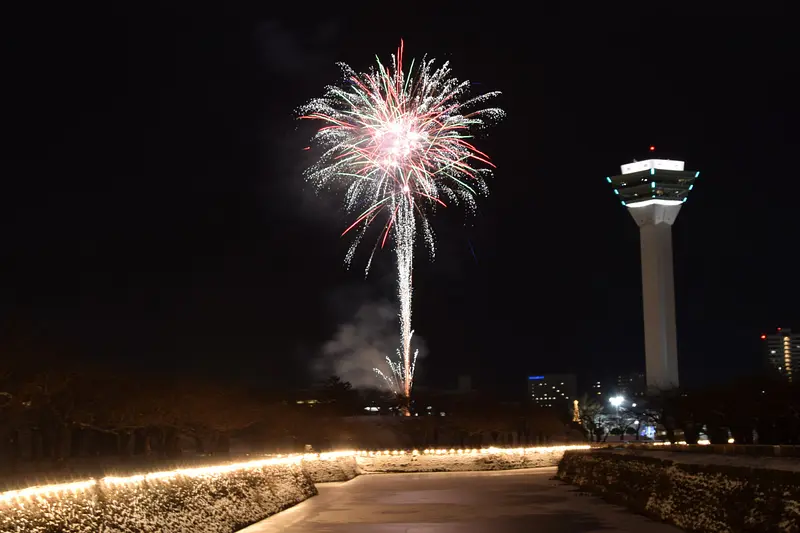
(203, 500)
(460, 460)
(696, 497)
(324, 469)
(226, 498)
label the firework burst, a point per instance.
(399, 144)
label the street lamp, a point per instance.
(617, 401)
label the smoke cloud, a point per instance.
(298, 52)
(362, 344)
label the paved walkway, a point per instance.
(519, 501)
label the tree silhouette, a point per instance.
(591, 415)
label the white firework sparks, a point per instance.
(399, 145)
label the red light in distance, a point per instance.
(779, 329)
(763, 337)
(652, 148)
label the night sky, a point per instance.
(154, 214)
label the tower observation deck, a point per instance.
(653, 191)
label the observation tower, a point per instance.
(653, 191)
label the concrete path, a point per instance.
(519, 501)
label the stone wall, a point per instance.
(696, 497)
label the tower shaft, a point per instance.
(658, 293)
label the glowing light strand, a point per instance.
(72, 488)
(399, 144)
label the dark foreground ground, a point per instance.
(519, 501)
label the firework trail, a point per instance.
(398, 142)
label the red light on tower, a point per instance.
(763, 337)
(779, 329)
(652, 148)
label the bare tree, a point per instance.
(591, 417)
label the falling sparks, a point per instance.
(399, 143)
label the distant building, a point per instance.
(631, 385)
(553, 390)
(782, 352)
(596, 389)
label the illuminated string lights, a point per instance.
(701, 442)
(51, 491)
(74, 488)
(46, 491)
(473, 451)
